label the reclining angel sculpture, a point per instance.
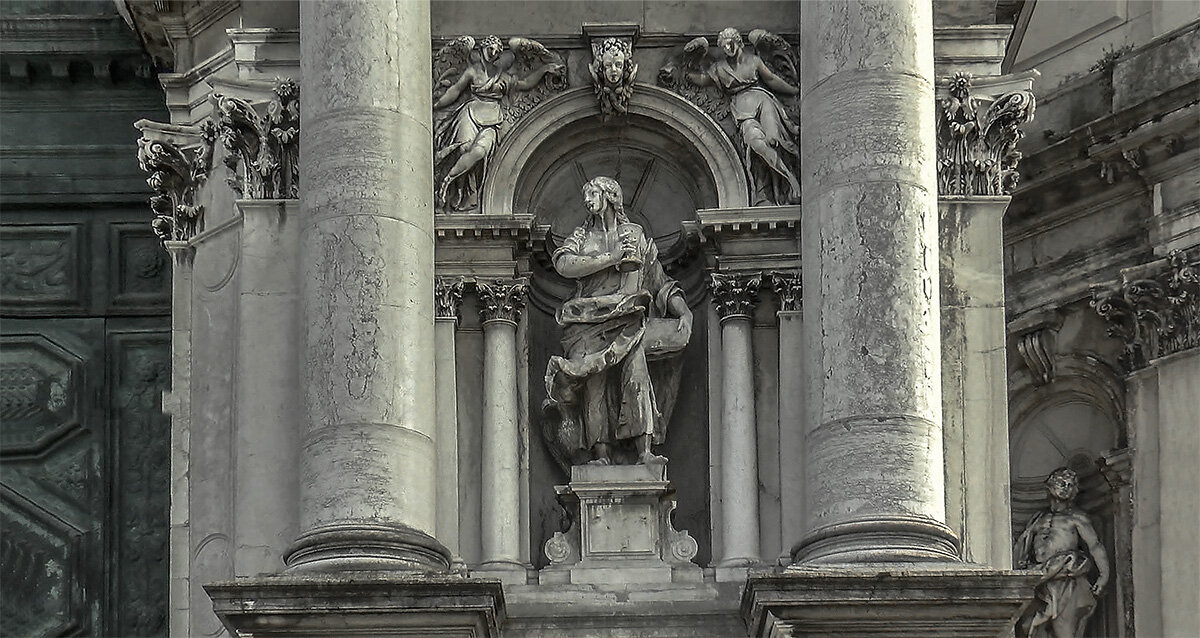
(477, 89)
(769, 136)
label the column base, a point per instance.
(367, 547)
(878, 540)
(886, 600)
(362, 604)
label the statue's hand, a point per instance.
(685, 324)
(1098, 588)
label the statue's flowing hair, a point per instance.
(612, 194)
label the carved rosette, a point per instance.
(262, 142)
(448, 293)
(977, 139)
(787, 287)
(735, 294)
(1154, 308)
(613, 71)
(501, 299)
(178, 159)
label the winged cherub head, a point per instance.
(615, 60)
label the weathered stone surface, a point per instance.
(366, 604)
(890, 601)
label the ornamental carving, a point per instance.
(1154, 308)
(613, 71)
(787, 287)
(447, 296)
(735, 294)
(480, 91)
(262, 142)
(178, 159)
(501, 299)
(1035, 333)
(757, 90)
(977, 141)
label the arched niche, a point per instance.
(668, 167)
(650, 106)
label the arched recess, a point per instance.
(684, 121)
(670, 160)
(1071, 422)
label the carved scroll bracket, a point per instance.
(259, 125)
(978, 128)
(1154, 308)
(1035, 334)
(178, 159)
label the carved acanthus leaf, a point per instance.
(501, 299)
(262, 142)
(977, 141)
(1154, 309)
(787, 286)
(178, 159)
(447, 296)
(735, 293)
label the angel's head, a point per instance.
(730, 42)
(491, 48)
(616, 58)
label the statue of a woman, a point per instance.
(601, 399)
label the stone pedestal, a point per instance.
(365, 604)
(886, 601)
(621, 530)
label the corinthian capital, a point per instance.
(178, 159)
(1154, 309)
(447, 296)
(787, 287)
(735, 293)
(260, 130)
(977, 138)
(501, 299)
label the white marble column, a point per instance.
(792, 406)
(500, 304)
(368, 467)
(734, 296)
(874, 475)
(448, 297)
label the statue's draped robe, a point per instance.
(1063, 589)
(601, 390)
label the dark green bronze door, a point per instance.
(84, 446)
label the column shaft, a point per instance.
(739, 448)
(791, 425)
(368, 478)
(874, 487)
(447, 434)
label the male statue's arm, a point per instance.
(1088, 534)
(679, 308)
(576, 266)
(454, 92)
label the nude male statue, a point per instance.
(1051, 543)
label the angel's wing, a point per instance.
(530, 55)
(777, 53)
(450, 61)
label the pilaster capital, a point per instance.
(734, 293)
(789, 289)
(260, 131)
(977, 138)
(447, 295)
(1154, 308)
(501, 299)
(178, 159)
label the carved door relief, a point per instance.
(84, 446)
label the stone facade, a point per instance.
(919, 275)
